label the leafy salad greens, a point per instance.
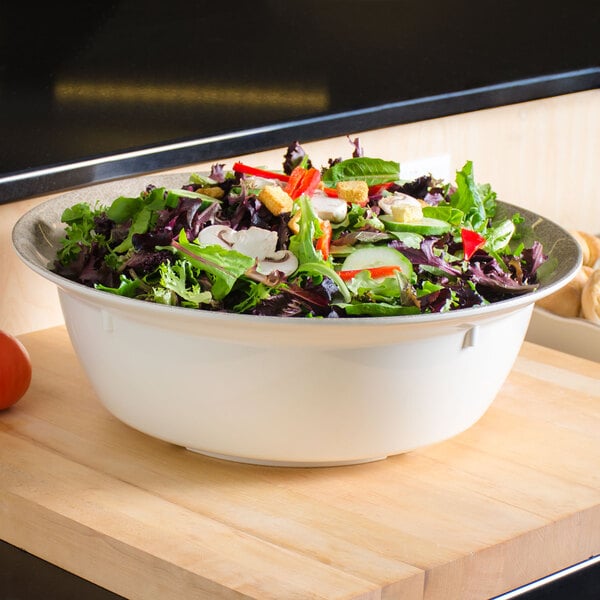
(350, 239)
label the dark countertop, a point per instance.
(106, 90)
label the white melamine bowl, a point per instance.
(277, 391)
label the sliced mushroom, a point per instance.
(216, 235)
(257, 183)
(386, 202)
(329, 209)
(283, 261)
(256, 242)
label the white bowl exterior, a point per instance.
(355, 393)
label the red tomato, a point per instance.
(15, 370)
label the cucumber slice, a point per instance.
(341, 251)
(424, 226)
(377, 256)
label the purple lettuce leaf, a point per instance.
(425, 255)
(294, 156)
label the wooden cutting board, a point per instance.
(512, 499)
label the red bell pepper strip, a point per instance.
(377, 189)
(471, 241)
(294, 181)
(239, 167)
(385, 271)
(324, 242)
(303, 181)
(311, 181)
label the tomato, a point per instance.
(472, 241)
(15, 370)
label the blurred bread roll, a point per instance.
(593, 244)
(590, 247)
(566, 302)
(590, 298)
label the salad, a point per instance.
(348, 239)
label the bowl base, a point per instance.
(286, 463)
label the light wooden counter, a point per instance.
(512, 499)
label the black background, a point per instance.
(192, 64)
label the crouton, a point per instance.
(214, 192)
(353, 191)
(407, 210)
(293, 223)
(276, 199)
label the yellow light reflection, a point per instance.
(298, 99)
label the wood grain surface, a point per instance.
(542, 155)
(512, 499)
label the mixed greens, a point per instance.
(350, 239)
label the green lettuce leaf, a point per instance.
(302, 244)
(142, 211)
(127, 287)
(224, 266)
(498, 237)
(378, 309)
(468, 199)
(386, 289)
(372, 170)
(177, 277)
(79, 231)
(443, 212)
